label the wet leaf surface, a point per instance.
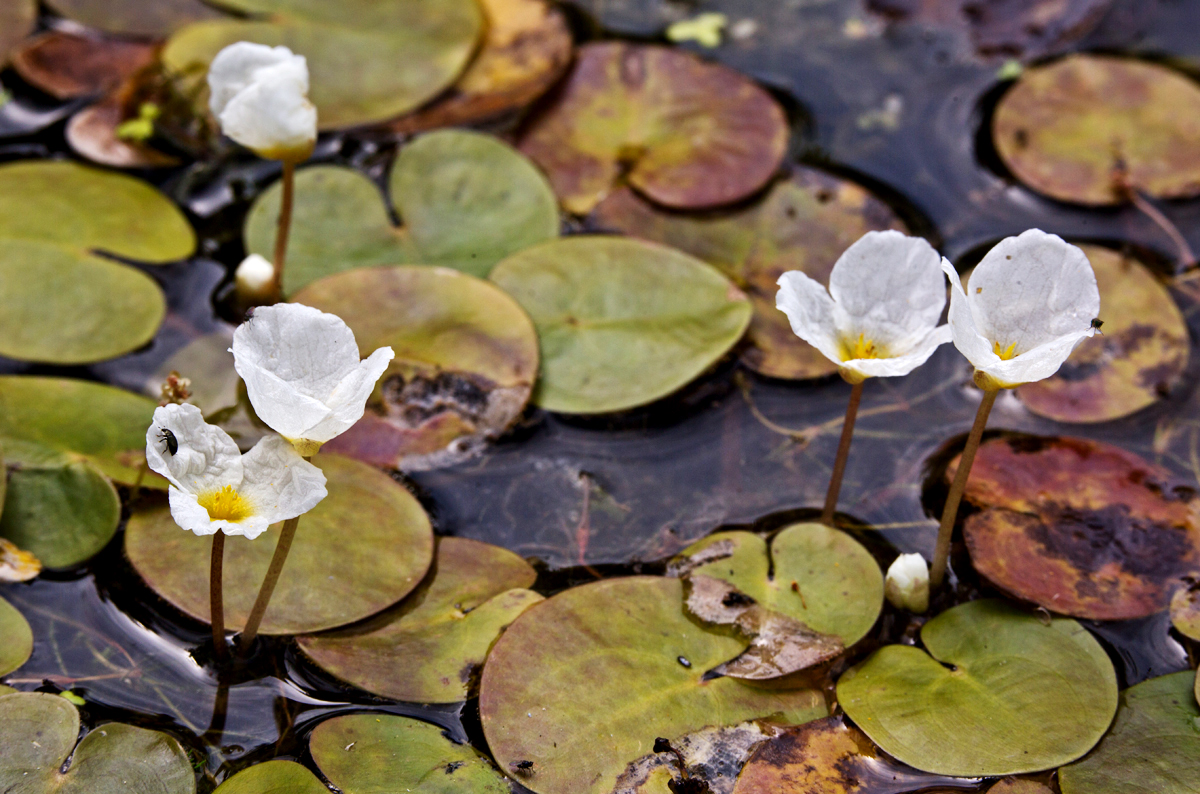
(621, 322)
(817, 575)
(152, 19)
(828, 756)
(273, 777)
(1079, 527)
(1154, 744)
(466, 361)
(18, 638)
(1138, 358)
(1064, 126)
(466, 200)
(429, 648)
(685, 133)
(368, 544)
(17, 19)
(380, 754)
(38, 732)
(1185, 609)
(1000, 693)
(526, 48)
(68, 65)
(368, 61)
(582, 684)
(804, 223)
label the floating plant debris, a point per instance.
(70, 65)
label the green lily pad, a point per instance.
(466, 361)
(621, 322)
(69, 65)
(802, 224)
(77, 418)
(1015, 785)
(18, 638)
(1140, 355)
(273, 777)
(38, 732)
(17, 19)
(382, 753)
(368, 60)
(583, 683)
(684, 132)
(467, 200)
(1063, 127)
(999, 692)
(63, 511)
(429, 648)
(1079, 527)
(817, 575)
(1154, 744)
(1185, 609)
(152, 19)
(363, 548)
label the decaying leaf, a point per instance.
(152, 19)
(1185, 608)
(68, 65)
(711, 756)
(17, 565)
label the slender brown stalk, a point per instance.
(216, 602)
(1184, 251)
(268, 586)
(942, 553)
(843, 453)
(284, 225)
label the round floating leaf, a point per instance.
(273, 777)
(17, 18)
(1079, 527)
(1185, 610)
(526, 48)
(429, 648)
(380, 754)
(466, 361)
(38, 732)
(106, 424)
(18, 638)
(803, 224)
(363, 548)
(1142, 352)
(467, 200)
(1154, 744)
(686, 133)
(817, 575)
(999, 692)
(147, 18)
(68, 65)
(583, 683)
(368, 60)
(1064, 126)
(62, 513)
(621, 322)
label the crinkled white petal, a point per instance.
(234, 68)
(279, 483)
(967, 338)
(903, 364)
(272, 116)
(349, 400)
(809, 309)
(1037, 364)
(188, 514)
(888, 287)
(206, 457)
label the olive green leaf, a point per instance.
(273, 777)
(18, 638)
(63, 511)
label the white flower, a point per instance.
(303, 374)
(254, 278)
(907, 583)
(1027, 305)
(215, 487)
(259, 94)
(879, 317)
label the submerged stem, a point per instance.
(216, 601)
(286, 535)
(942, 553)
(284, 225)
(843, 453)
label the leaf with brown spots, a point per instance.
(1185, 609)
(1140, 354)
(685, 133)
(69, 65)
(1079, 527)
(142, 18)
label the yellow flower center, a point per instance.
(1007, 353)
(863, 348)
(225, 504)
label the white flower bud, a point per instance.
(907, 584)
(254, 279)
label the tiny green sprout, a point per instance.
(5, 97)
(704, 29)
(1010, 70)
(71, 697)
(141, 128)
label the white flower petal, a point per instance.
(1037, 364)
(348, 401)
(887, 287)
(809, 309)
(234, 68)
(254, 277)
(188, 513)
(205, 457)
(903, 364)
(258, 93)
(279, 483)
(907, 583)
(966, 335)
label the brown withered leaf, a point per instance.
(685, 133)
(92, 133)
(712, 755)
(1016, 785)
(1079, 527)
(69, 65)
(17, 18)
(1185, 608)
(152, 19)
(525, 50)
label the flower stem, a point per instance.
(942, 553)
(284, 226)
(216, 605)
(843, 453)
(268, 586)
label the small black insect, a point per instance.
(1096, 323)
(172, 442)
(522, 767)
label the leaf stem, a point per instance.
(843, 453)
(942, 553)
(216, 601)
(286, 535)
(284, 225)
